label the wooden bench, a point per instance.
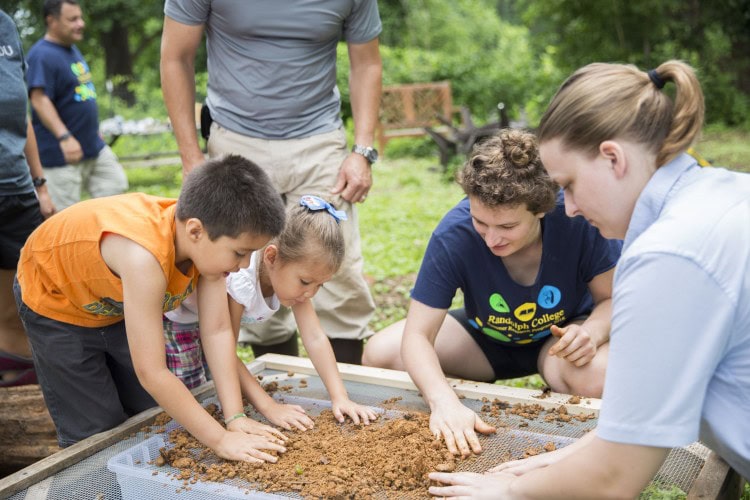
(406, 109)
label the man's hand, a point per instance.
(71, 150)
(354, 180)
(45, 202)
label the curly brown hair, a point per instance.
(506, 170)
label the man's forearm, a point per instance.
(365, 84)
(48, 114)
(178, 86)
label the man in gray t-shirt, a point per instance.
(273, 97)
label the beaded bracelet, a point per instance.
(231, 419)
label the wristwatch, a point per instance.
(367, 151)
(38, 181)
(64, 136)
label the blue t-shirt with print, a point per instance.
(63, 75)
(573, 253)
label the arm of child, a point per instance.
(321, 354)
(143, 291)
(220, 346)
(284, 415)
(449, 419)
(579, 342)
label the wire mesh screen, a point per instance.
(127, 470)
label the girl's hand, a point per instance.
(237, 445)
(356, 412)
(288, 416)
(255, 428)
(575, 345)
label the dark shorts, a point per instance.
(86, 374)
(508, 361)
(19, 216)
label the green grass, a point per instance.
(724, 147)
(408, 199)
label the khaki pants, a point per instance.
(298, 167)
(101, 176)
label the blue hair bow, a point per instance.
(316, 203)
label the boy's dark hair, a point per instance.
(53, 7)
(231, 195)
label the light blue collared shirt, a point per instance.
(679, 362)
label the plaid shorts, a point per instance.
(184, 353)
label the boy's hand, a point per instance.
(575, 345)
(288, 416)
(247, 447)
(355, 411)
(253, 427)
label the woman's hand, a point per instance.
(457, 424)
(575, 345)
(524, 465)
(471, 485)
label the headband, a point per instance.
(654, 76)
(315, 203)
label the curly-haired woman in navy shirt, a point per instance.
(537, 291)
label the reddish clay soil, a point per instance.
(390, 457)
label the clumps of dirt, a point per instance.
(390, 457)
(533, 451)
(534, 411)
(274, 386)
(546, 392)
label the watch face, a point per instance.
(368, 152)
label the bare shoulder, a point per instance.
(126, 257)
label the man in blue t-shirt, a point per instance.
(65, 114)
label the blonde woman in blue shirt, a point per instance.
(679, 357)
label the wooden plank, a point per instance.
(46, 467)
(401, 380)
(716, 480)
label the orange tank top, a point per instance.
(63, 275)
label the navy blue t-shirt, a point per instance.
(573, 253)
(65, 78)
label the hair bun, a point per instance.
(519, 148)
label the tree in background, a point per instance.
(515, 51)
(712, 36)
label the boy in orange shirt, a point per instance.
(94, 281)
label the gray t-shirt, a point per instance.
(272, 64)
(14, 171)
